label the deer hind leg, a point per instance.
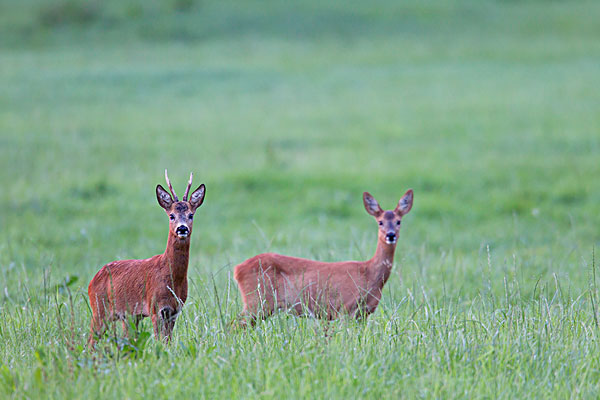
(265, 297)
(96, 330)
(246, 318)
(98, 324)
(257, 286)
(259, 305)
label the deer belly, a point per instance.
(125, 308)
(318, 300)
(316, 297)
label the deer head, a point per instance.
(181, 213)
(389, 221)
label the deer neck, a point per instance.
(176, 257)
(380, 266)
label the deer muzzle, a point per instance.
(182, 231)
(390, 237)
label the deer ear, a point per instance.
(371, 205)
(164, 198)
(405, 203)
(197, 198)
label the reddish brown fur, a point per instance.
(155, 287)
(270, 281)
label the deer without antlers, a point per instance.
(155, 287)
(322, 289)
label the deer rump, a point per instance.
(306, 287)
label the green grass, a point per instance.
(487, 109)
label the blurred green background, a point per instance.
(288, 111)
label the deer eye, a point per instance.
(397, 222)
(172, 217)
(380, 223)
(191, 216)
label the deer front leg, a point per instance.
(163, 320)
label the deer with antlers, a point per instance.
(322, 289)
(155, 287)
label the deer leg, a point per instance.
(246, 318)
(138, 318)
(261, 306)
(131, 322)
(97, 326)
(155, 323)
(96, 330)
(256, 310)
(168, 316)
(164, 321)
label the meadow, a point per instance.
(488, 110)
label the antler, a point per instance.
(170, 187)
(187, 190)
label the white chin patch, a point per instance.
(390, 241)
(182, 236)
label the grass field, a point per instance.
(489, 110)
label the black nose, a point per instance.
(390, 236)
(182, 229)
